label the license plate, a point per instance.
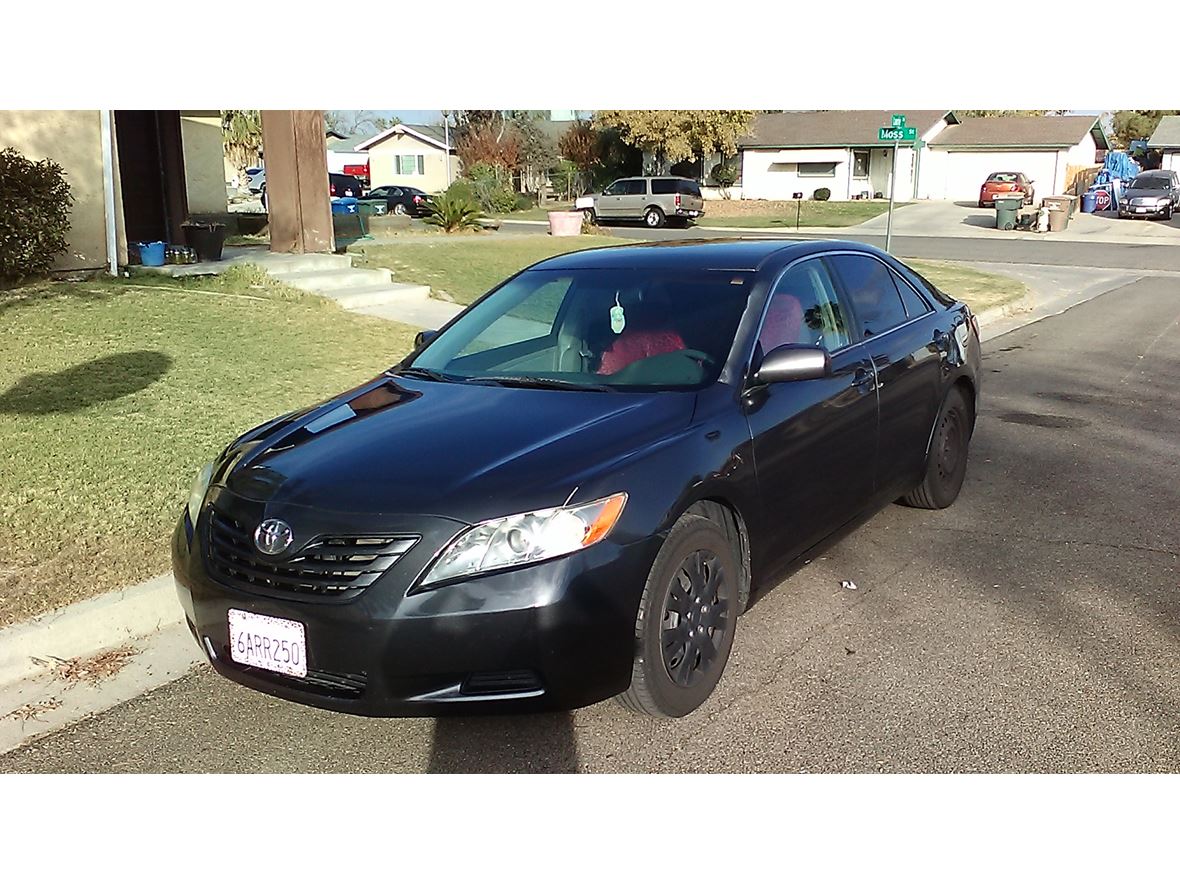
(270, 643)
(1141, 211)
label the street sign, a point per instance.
(898, 121)
(908, 133)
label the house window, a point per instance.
(817, 170)
(411, 164)
(860, 164)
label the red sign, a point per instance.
(1101, 200)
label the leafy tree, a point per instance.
(1008, 113)
(358, 122)
(489, 143)
(673, 136)
(241, 137)
(538, 151)
(34, 215)
(1129, 125)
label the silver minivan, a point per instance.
(654, 200)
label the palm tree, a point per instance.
(241, 136)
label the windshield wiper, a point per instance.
(541, 383)
(417, 372)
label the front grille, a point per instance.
(327, 566)
(340, 685)
(509, 682)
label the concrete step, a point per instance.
(327, 281)
(381, 294)
(294, 263)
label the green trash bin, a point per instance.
(1006, 209)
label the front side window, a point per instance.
(411, 164)
(602, 328)
(804, 309)
(817, 170)
(870, 288)
(613, 189)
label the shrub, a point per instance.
(34, 215)
(725, 174)
(460, 189)
(453, 213)
(822, 193)
(490, 189)
(524, 201)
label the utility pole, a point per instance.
(892, 185)
(447, 141)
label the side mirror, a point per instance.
(424, 337)
(794, 362)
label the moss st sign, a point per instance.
(896, 131)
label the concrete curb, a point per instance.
(88, 627)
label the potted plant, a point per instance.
(206, 237)
(565, 224)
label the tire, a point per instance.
(399, 208)
(695, 554)
(946, 467)
(589, 216)
(653, 216)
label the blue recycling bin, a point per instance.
(344, 206)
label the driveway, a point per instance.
(943, 218)
(1031, 627)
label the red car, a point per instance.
(999, 183)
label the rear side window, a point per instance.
(635, 187)
(663, 186)
(915, 305)
(873, 295)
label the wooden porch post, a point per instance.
(297, 181)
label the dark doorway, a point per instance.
(151, 170)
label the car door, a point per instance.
(907, 341)
(609, 201)
(635, 198)
(814, 442)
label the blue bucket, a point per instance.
(151, 254)
(1089, 201)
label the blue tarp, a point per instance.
(1118, 165)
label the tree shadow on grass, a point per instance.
(84, 385)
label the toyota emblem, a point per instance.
(273, 536)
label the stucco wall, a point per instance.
(204, 161)
(957, 175)
(383, 165)
(770, 174)
(73, 140)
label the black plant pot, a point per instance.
(207, 239)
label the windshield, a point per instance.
(601, 329)
(1150, 183)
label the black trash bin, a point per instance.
(207, 238)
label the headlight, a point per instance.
(527, 537)
(196, 495)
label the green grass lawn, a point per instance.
(978, 288)
(463, 267)
(112, 395)
(812, 213)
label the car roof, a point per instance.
(744, 254)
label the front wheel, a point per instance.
(654, 216)
(589, 217)
(686, 622)
(946, 466)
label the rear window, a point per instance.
(1003, 176)
(675, 186)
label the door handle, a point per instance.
(864, 380)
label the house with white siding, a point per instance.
(799, 152)
(1166, 140)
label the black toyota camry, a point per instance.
(572, 490)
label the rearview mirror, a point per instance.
(424, 337)
(794, 362)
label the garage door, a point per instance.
(967, 170)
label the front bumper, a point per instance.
(1143, 211)
(556, 635)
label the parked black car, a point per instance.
(339, 185)
(402, 200)
(1154, 194)
(573, 489)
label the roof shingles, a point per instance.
(829, 128)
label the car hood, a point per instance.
(1133, 192)
(399, 446)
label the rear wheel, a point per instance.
(399, 208)
(947, 465)
(687, 620)
(653, 216)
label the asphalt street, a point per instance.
(1061, 253)
(1033, 626)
